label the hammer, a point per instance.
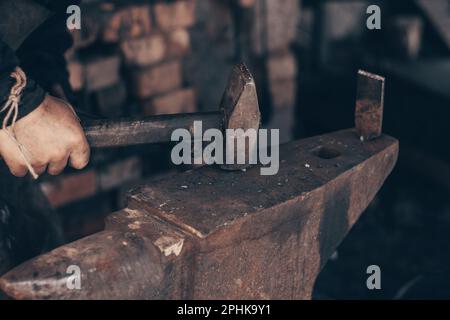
(238, 110)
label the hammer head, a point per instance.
(240, 110)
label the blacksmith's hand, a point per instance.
(51, 136)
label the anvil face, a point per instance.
(210, 234)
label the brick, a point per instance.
(111, 101)
(128, 22)
(156, 47)
(101, 72)
(180, 101)
(178, 14)
(76, 75)
(92, 19)
(157, 79)
(276, 22)
(283, 93)
(144, 51)
(178, 43)
(283, 18)
(120, 172)
(68, 188)
(281, 66)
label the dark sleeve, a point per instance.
(41, 55)
(33, 94)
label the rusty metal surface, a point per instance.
(228, 234)
(303, 167)
(278, 253)
(369, 105)
(137, 260)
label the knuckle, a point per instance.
(77, 136)
(19, 171)
(39, 169)
(38, 163)
(58, 155)
(55, 170)
(77, 139)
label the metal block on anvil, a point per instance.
(210, 234)
(369, 105)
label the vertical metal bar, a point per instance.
(369, 105)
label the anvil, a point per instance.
(210, 234)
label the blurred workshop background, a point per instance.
(139, 58)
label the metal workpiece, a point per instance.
(369, 105)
